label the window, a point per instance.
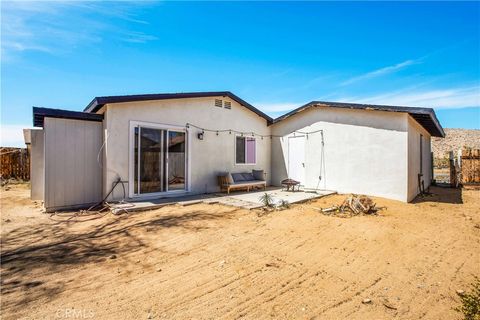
(227, 105)
(245, 150)
(218, 103)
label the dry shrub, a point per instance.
(470, 302)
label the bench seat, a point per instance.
(225, 185)
(249, 183)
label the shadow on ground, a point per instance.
(441, 194)
(52, 247)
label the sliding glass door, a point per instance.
(159, 160)
(176, 160)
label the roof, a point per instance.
(99, 102)
(40, 113)
(424, 116)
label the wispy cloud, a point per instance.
(277, 107)
(382, 71)
(459, 97)
(23, 46)
(138, 37)
(61, 26)
(12, 135)
(422, 94)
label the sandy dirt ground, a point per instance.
(212, 261)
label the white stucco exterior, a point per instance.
(415, 133)
(365, 151)
(207, 158)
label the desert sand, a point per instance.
(212, 261)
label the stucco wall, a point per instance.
(414, 132)
(365, 151)
(37, 164)
(207, 158)
(73, 177)
(368, 152)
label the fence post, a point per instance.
(432, 178)
(14, 163)
(470, 172)
(451, 161)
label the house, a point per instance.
(161, 145)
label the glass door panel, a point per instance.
(176, 160)
(159, 160)
(149, 161)
(136, 167)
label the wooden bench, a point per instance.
(225, 185)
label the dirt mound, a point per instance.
(455, 139)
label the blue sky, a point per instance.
(275, 55)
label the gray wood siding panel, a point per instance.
(97, 158)
(79, 163)
(37, 165)
(72, 174)
(70, 181)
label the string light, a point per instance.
(253, 134)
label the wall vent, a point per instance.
(227, 104)
(218, 103)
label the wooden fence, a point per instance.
(14, 163)
(470, 166)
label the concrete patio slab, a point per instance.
(277, 195)
(246, 200)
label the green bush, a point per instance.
(284, 204)
(470, 302)
(266, 200)
(441, 163)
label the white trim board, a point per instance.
(131, 162)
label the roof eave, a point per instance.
(437, 124)
(39, 114)
(99, 102)
(93, 106)
(426, 111)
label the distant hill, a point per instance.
(454, 140)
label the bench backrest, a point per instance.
(222, 180)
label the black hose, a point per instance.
(113, 187)
(109, 193)
(124, 194)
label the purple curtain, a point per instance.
(251, 151)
